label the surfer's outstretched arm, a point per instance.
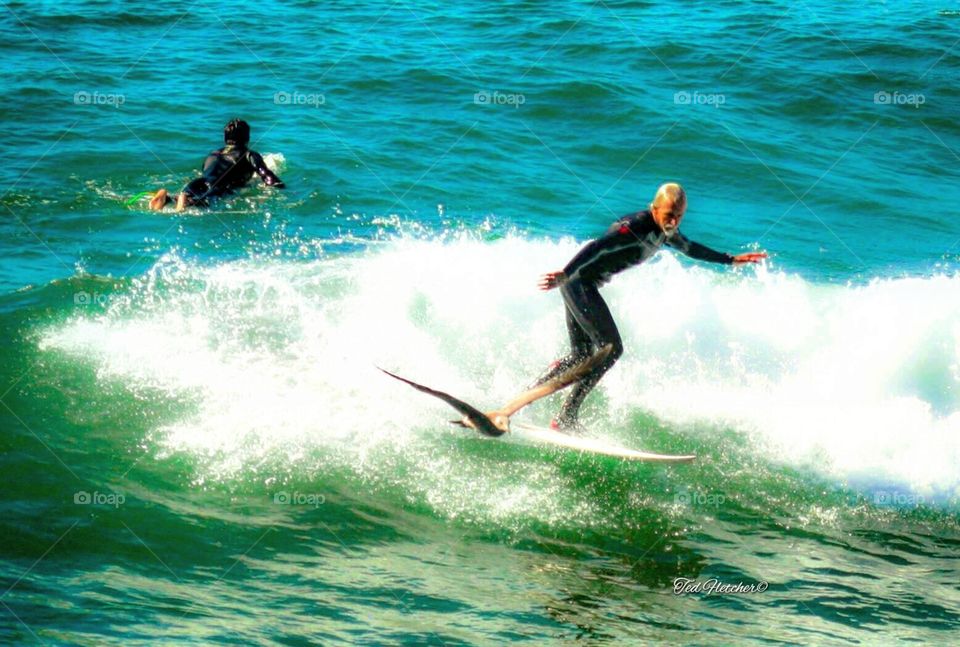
(703, 253)
(552, 280)
(749, 257)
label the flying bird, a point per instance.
(497, 423)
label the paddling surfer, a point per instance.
(630, 241)
(224, 170)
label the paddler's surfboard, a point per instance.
(528, 433)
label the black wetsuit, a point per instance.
(227, 169)
(628, 242)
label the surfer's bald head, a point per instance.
(668, 207)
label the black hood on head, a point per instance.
(237, 132)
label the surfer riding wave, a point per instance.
(629, 241)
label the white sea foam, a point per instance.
(859, 383)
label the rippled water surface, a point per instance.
(198, 449)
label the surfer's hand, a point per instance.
(552, 280)
(749, 257)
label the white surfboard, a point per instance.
(528, 433)
(496, 423)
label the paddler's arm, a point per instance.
(269, 177)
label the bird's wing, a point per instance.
(480, 421)
(568, 377)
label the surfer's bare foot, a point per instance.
(566, 426)
(159, 200)
(181, 202)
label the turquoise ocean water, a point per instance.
(197, 448)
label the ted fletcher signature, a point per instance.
(713, 586)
